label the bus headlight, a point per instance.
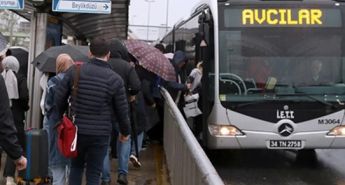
(224, 131)
(337, 131)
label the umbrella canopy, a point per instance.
(3, 44)
(151, 59)
(46, 61)
(22, 55)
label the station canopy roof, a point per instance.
(86, 26)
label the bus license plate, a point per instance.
(282, 144)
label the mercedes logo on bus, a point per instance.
(285, 129)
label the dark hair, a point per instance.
(160, 47)
(99, 47)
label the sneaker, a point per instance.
(122, 179)
(10, 181)
(134, 160)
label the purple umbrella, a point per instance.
(151, 59)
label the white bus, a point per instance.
(274, 72)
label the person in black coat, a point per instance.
(8, 138)
(119, 62)
(100, 98)
(19, 106)
(151, 104)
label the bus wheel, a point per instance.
(306, 157)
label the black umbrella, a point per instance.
(22, 55)
(46, 61)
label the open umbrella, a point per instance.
(151, 59)
(3, 44)
(46, 61)
(22, 55)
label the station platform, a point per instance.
(152, 172)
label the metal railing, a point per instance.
(186, 160)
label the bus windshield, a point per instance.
(281, 51)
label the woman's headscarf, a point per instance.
(63, 62)
(11, 63)
(11, 66)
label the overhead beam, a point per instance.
(110, 27)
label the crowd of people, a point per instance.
(111, 110)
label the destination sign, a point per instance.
(282, 17)
(82, 6)
(12, 4)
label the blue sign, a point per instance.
(12, 4)
(82, 6)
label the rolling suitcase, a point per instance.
(37, 158)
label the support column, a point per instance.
(37, 45)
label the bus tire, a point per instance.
(306, 156)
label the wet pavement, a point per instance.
(269, 167)
(152, 172)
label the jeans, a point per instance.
(140, 138)
(123, 151)
(91, 151)
(106, 167)
(60, 174)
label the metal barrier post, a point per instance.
(37, 45)
(187, 162)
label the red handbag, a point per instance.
(67, 137)
(66, 129)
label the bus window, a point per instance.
(258, 69)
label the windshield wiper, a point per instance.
(252, 103)
(277, 99)
(310, 97)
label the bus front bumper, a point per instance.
(261, 140)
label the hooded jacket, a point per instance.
(119, 63)
(175, 87)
